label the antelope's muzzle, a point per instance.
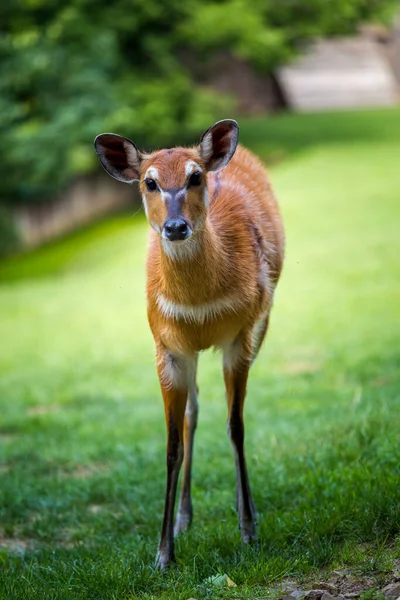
(176, 230)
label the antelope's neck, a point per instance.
(196, 273)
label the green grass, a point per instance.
(81, 428)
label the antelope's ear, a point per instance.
(119, 156)
(218, 144)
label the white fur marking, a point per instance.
(191, 167)
(257, 330)
(165, 196)
(196, 313)
(173, 374)
(232, 355)
(155, 227)
(180, 250)
(179, 195)
(264, 279)
(178, 371)
(207, 146)
(145, 205)
(133, 156)
(151, 173)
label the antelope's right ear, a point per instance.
(119, 156)
(218, 144)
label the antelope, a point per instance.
(215, 256)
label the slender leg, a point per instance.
(173, 374)
(185, 512)
(258, 334)
(237, 360)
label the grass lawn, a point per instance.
(82, 427)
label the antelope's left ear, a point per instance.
(218, 144)
(119, 156)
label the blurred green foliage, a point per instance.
(71, 70)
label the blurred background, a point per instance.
(159, 73)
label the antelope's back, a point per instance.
(244, 207)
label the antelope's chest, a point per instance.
(182, 336)
(192, 328)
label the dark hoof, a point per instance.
(164, 560)
(249, 534)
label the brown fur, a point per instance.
(242, 231)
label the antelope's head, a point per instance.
(173, 182)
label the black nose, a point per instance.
(176, 229)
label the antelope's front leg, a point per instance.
(237, 360)
(173, 376)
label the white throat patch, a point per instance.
(184, 250)
(198, 313)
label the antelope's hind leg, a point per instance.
(237, 361)
(185, 512)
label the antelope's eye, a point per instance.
(150, 184)
(195, 179)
